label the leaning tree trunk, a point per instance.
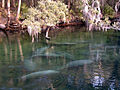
(18, 11)
(8, 7)
(3, 3)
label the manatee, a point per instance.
(40, 50)
(63, 44)
(79, 42)
(78, 63)
(39, 73)
(29, 65)
(42, 53)
(53, 54)
(69, 43)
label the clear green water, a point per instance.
(72, 60)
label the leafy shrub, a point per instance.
(108, 10)
(76, 9)
(48, 12)
(3, 13)
(24, 10)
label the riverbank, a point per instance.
(19, 28)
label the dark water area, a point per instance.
(74, 59)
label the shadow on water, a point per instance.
(114, 80)
(5, 33)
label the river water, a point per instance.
(74, 59)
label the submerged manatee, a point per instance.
(44, 52)
(53, 54)
(63, 44)
(40, 50)
(39, 73)
(69, 43)
(29, 65)
(78, 63)
(82, 42)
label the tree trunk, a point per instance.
(13, 3)
(3, 3)
(35, 3)
(68, 4)
(102, 3)
(8, 7)
(32, 3)
(18, 11)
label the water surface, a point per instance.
(74, 59)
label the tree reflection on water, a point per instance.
(68, 53)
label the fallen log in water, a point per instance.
(70, 24)
(11, 28)
(15, 27)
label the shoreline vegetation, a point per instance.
(45, 15)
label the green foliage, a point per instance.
(24, 10)
(76, 9)
(3, 13)
(108, 10)
(48, 12)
